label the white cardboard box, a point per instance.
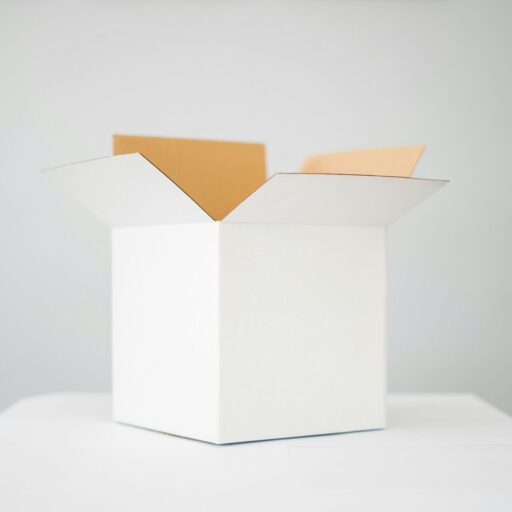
(270, 323)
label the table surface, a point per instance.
(61, 452)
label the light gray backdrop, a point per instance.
(302, 76)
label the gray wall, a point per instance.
(302, 76)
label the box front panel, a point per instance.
(165, 328)
(302, 330)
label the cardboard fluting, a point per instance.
(267, 320)
(215, 174)
(399, 161)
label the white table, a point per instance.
(441, 452)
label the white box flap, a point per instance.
(326, 199)
(127, 190)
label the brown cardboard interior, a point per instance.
(396, 161)
(216, 175)
(220, 175)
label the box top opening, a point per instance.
(207, 181)
(217, 175)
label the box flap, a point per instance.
(217, 175)
(398, 161)
(127, 190)
(326, 199)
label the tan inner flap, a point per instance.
(216, 175)
(398, 161)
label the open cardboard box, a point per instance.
(245, 309)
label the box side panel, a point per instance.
(165, 328)
(302, 330)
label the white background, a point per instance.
(302, 76)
